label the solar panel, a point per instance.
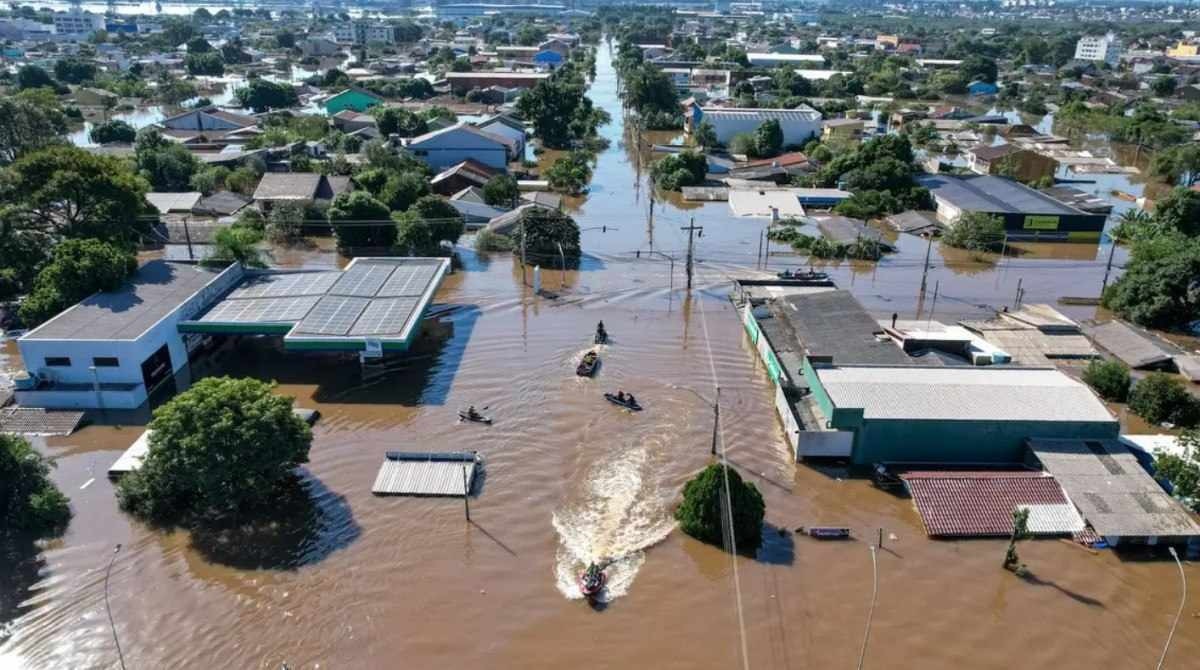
(409, 280)
(333, 315)
(286, 285)
(261, 310)
(362, 280)
(385, 316)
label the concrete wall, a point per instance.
(794, 131)
(963, 441)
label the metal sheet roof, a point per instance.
(985, 193)
(963, 393)
(1112, 490)
(1127, 344)
(981, 503)
(426, 474)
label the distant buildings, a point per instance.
(798, 125)
(1184, 51)
(1102, 48)
(1010, 160)
(363, 32)
(77, 23)
(462, 82)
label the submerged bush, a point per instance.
(1109, 378)
(700, 513)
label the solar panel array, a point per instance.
(371, 298)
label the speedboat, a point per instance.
(592, 581)
(587, 366)
(625, 402)
(475, 418)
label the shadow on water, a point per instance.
(21, 563)
(306, 524)
(778, 546)
(1031, 578)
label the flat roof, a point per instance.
(426, 474)
(157, 289)
(954, 393)
(987, 193)
(834, 323)
(1113, 491)
(372, 299)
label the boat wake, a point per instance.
(620, 514)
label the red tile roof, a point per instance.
(978, 504)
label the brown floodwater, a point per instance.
(352, 580)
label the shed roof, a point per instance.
(981, 503)
(962, 393)
(1127, 344)
(288, 186)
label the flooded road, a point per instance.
(353, 580)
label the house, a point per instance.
(982, 88)
(317, 47)
(221, 203)
(1011, 160)
(775, 59)
(557, 46)
(173, 203)
(355, 99)
(1027, 214)
(1184, 51)
(87, 96)
(461, 176)
(548, 59)
(842, 129)
(475, 211)
(208, 119)
(443, 148)
(349, 121)
(303, 188)
(798, 125)
(462, 82)
(506, 126)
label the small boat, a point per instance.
(807, 275)
(592, 582)
(623, 402)
(477, 418)
(601, 334)
(825, 532)
(587, 366)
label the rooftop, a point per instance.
(1112, 490)
(834, 324)
(986, 193)
(288, 186)
(156, 290)
(981, 503)
(802, 113)
(1130, 346)
(962, 393)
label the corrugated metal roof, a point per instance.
(426, 474)
(802, 113)
(981, 504)
(1127, 344)
(962, 393)
(993, 194)
(1113, 491)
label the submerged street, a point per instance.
(354, 580)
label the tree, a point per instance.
(705, 136)
(285, 39)
(1179, 210)
(1160, 397)
(397, 121)
(77, 269)
(1182, 470)
(768, 138)
(113, 131)
(32, 76)
(976, 231)
(28, 122)
(678, 170)
(1012, 562)
(236, 244)
(285, 221)
(545, 230)
(1161, 284)
(1109, 378)
(703, 512)
(208, 63)
(1181, 164)
(570, 173)
(359, 220)
(220, 449)
(167, 165)
(209, 180)
(501, 191)
(978, 68)
(29, 501)
(1163, 86)
(402, 189)
(262, 95)
(648, 89)
(426, 224)
(74, 70)
(74, 193)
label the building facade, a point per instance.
(1099, 48)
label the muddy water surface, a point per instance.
(351, 580)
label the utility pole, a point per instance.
(650, 223)
(187, 235)
(523, 283)
(716, 420)
(925, 269)
(691, 228)
(466, 494)
(1017, 298)
(1108, 268)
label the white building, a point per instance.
(77, 23)
(1106, 48)
(798, 125)
(20, 30)
(361, 32)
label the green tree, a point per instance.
(166, 165)
(1109, 378)
(402, 189)
(359, 220)
(77, 269)
(1179, 210)
(768, 138)
(675, 171)
(1163, 86)
(73, 193)
(113, 131)
(1159, 288)
(1182, 470)
(570, 173)
(29, 122)
(397, 121)
(976, 231)
(1012, 562)
(1162, 397)
(209, 180)
(29, 501)
(285, 39)
(236, 244)
(501, 191)
(976, 67)
(198, 45)
(703, 512)
(74, 70)
(544, 230)
(32, 76)
(1180, 164)
(220, 449)
(285, 222)
(439, 222)
(205, 64)
(705, 136)
(648, 89)
(262, 95)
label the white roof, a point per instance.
(132, 458)
(819, 75)
(1153, 443)
(173, 202)
(788, 58)
(759, 203)
(802, 113)
(1048, 519)
(962, 393)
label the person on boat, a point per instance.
(620, 395)
(471, 413)
(630, 399)
(600, 332)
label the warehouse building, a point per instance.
(1027, 214)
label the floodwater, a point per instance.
(351, 580)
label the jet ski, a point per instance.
(592, 581)
(476, 417)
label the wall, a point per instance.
(963, 441)
(794, 132)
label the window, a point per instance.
(106, 362)
(58, 362)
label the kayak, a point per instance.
(478, 418)
(587, 366)
(632, 406)
(590, 588)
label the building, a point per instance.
(77, 23)
(319, 47)
(363, 32)
(506, 126)
(1099, 48)
(301, 188)
(443, 148)
(1184, 51)
(842, 129)
(982, 88)
(774, 59)
(209, 124)
(462, 82)
(1027, 214)
(461, 176)
(1010, 160)
(356, 99)
(799, 125)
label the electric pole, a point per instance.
(691, 228)
(650, 223)
(925, 270)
